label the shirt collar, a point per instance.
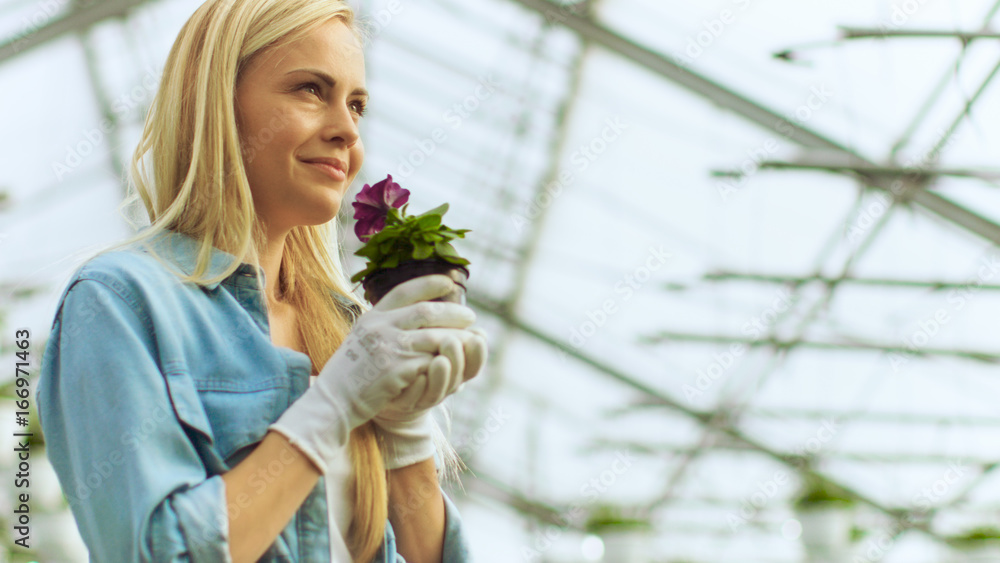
(182, 250)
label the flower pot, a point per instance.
(379, 282)
(826, 532)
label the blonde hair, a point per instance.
(196, 184)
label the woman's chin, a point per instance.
(323, 209)
(322, 213)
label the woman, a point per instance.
(211, 390)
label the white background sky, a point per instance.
(650, 187)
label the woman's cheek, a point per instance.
(357, 159)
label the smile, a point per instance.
(329, 170)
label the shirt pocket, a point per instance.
(240, 414)
(187, 405)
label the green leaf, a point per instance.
(360, 275)
(444, 249)
(422, 250)
(429, 222)
(439, 210)
(380, 236)
(367, 251)
(391, 262)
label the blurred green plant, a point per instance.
(817, 492)
(608, 517)
(976, 537)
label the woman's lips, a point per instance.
(330, 170)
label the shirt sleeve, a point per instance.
(456, 544)
(137, 487)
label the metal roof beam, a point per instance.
(709, 420)
(894, 171)
(723, 276)
(786, 344)
(847, 32)
(80, 18)
(752, 111)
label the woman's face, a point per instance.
(298, 107)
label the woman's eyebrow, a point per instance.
(330, 81)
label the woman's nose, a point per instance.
(341, 126)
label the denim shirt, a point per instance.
(151, 388)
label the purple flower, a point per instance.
(373, 203)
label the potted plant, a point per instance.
(399, 247)
(626, 536)
(978, 545)
(826, 513)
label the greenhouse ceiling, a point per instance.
(722, 249)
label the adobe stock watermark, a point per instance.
(93, 138)
(377, 22)
(454, 116)
(924, 501)
(102, 470)
(721, 362)
(468, 445)
(768, 489)
(901, 13)
(711, 30)
(819, 440)
(255, 142)
(931, 326)
(375, 350)
(580, 159)
(626, 287)
(882, 201)
(873, 211)
(261, 479)
(417, 497)
(750, 506)
(577, 512)
(819, 96)
(47, 12)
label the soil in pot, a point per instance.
(378, 283)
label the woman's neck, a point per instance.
(270, 261)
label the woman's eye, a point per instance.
(311, 87)
(359, 108)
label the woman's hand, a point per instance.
(386, 350)
(405, 423)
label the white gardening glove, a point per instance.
(405, 423)
(384, 352)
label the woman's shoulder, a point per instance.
(159, 258)
(133, 273)
(121, 269)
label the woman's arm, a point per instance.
(132, 474)
(417, 512)
(263, 492)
